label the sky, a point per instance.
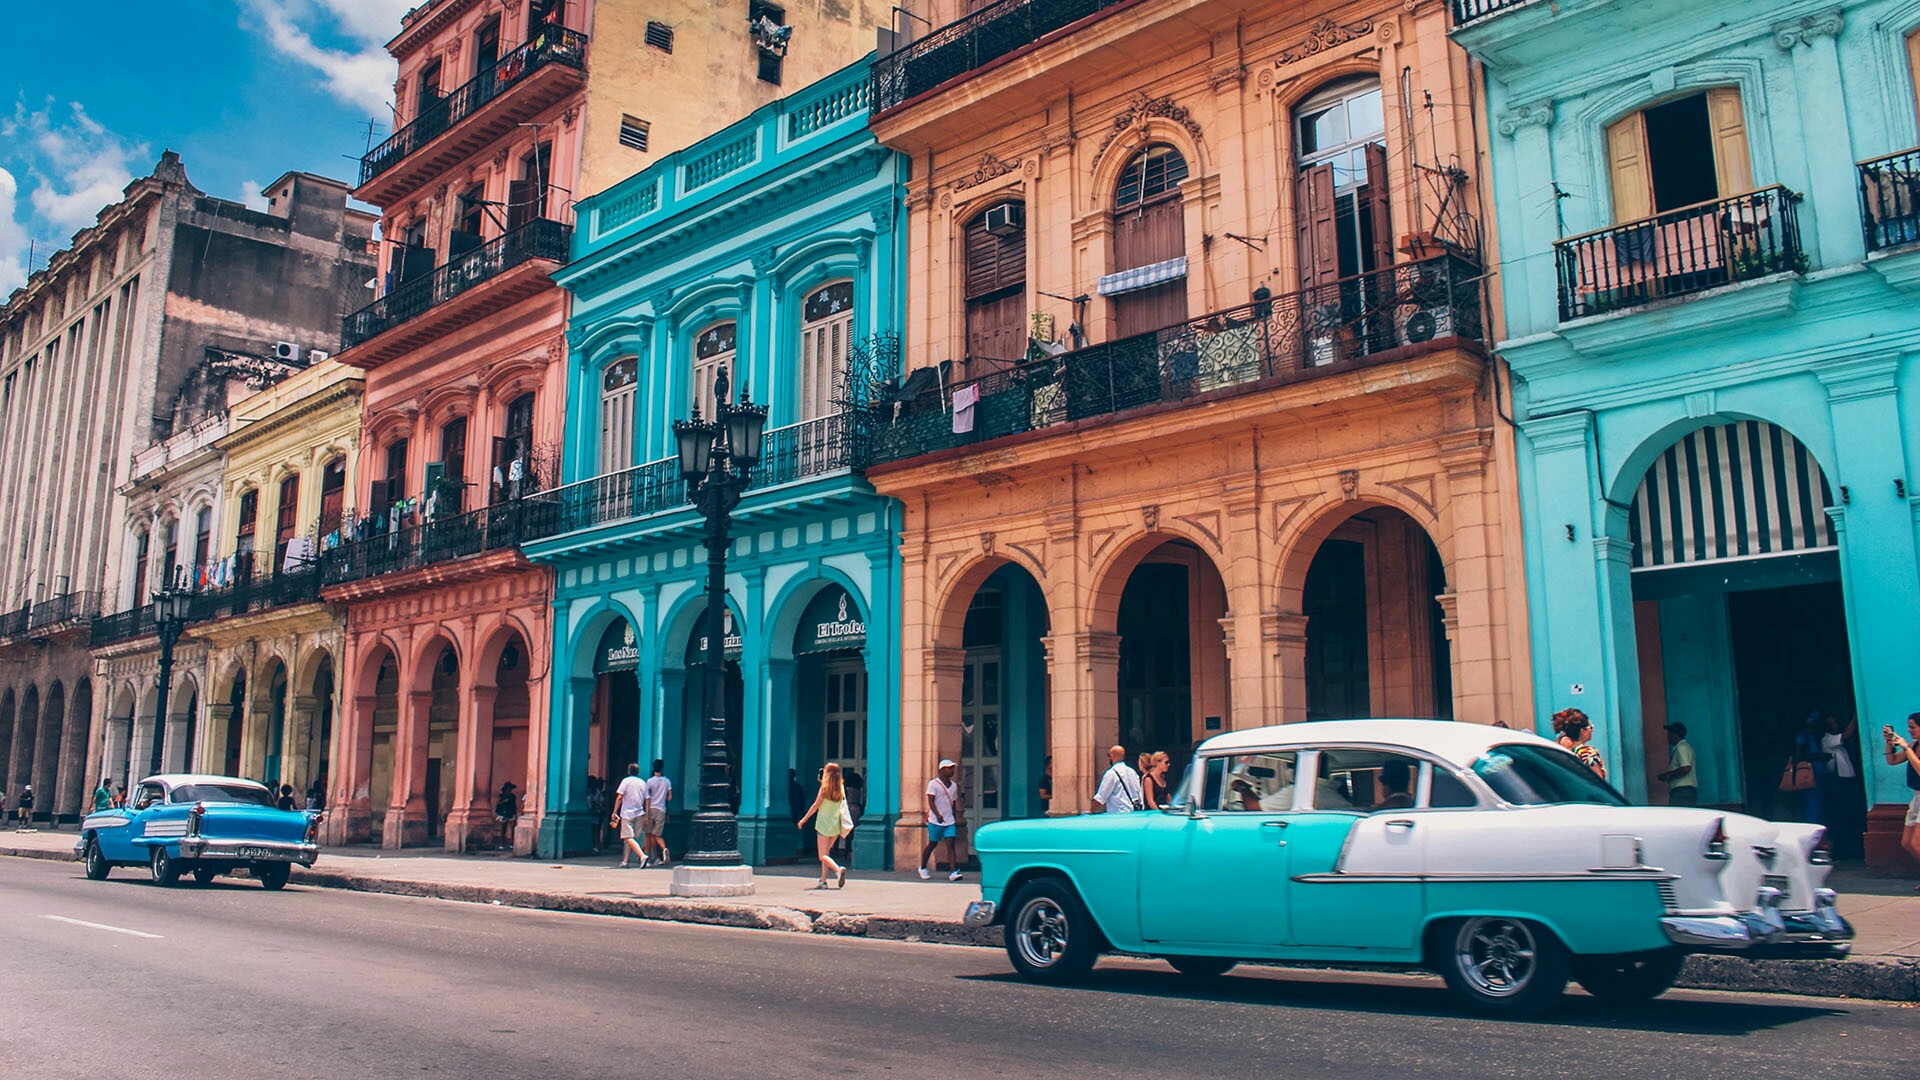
(243, 90)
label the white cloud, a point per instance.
(13, 238)
(252, 196)
(79, 167)
(340, 40)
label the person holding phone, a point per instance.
(1901, 752)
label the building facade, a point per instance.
(1711, 331)
(125, 340)
(770, 250)
(1200, 433)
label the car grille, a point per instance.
(1668, 897)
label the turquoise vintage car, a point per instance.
(1491, 856)
(181, 823)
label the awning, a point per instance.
(1735, 491)
(730, 647)
(831, 622)
(618, 651)
(1143, 277)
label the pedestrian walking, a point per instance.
(1900, 751)
(629, 809)
(1045, 790)
(103, 795)
(1682, 778)
(1153, 778)
(654, 821)
(856, 804)
(506, 813)
(3, 807)
(25, 808)
(943, 821)
(1843, 802)
(1119, 790)
(317, 795)
(1575, 732)
(831, 821)
(285, 800)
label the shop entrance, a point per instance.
(1003, 699)
(614, 739)
(1376, 634)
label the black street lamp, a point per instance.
(170, 607)
(716, 460)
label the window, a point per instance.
(1542, 776)
(243, 794)
(527, 196)
(486, 47)
(712, 353)
(170, 555)
(148, 795)
(1257, 783)
(1913, 63)
(1340, 197)
(141, 548)
(618, 385)
(543, 12)
(633, 133)
(333, 495)
(996, 257)
(1679, 153)
(393, 486)
(427, 94)
(453, 466)
(249, 516)
(413, 258)
(660, 36)
(826, 329)
(1365, 780)
(1449, 791)
(1149, 228)
(286, 519)
(466, 233)
(202, 537)
(770, 64)
(768, 25)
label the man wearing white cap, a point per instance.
(943, 799)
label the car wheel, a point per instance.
(97, 865)
(1504, 965)
(1050, 935)
(273, 875)
(1202, 967)
(1630, 977)
(165, 870)
(204, 875)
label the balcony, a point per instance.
(1341, 326)
(524, 83)
(179, 446)
(247, 596)
(971, 43)
(1691, 250)
(51, 615)
(1890, 200)
(13, 624)
(1470, 11)
(500, 527)
(503, 271)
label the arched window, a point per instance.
(618, 385)
(170, 554)
(333, 494)
(243, 537)
(1148, 285)
(996, 285)
(1340, 195)
(826, 332)
(286, 520)
(141, 549)
(449, 495)
(513, 452)
(202, 539)
(712, 351)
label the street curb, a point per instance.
(1881, 980)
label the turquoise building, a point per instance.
(1707, 215)
(770, 249)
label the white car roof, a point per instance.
(174, 780)
(1460, 742)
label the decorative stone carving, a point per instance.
(990, 167)
(1142, 108)
(1803, 31)
(1538, 114)
(986, 543)
(1151, 515)
(500, 158)
(764, 260)
(1349, 484)
(1324, 35)
(1232, 75)
(567, 118)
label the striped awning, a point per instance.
(1737, 491)
(1143, 277)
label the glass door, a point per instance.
(981, 702)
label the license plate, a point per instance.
(253, 852)
(1778, 881)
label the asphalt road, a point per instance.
(121, 978)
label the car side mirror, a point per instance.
(1193, 810)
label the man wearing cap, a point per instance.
(943, 801)
(1681, 778)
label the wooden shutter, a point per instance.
(997, 328)
(519, 203)
(1150, 309)
(1313, 215)
(1627, 166)
(1731, 162)
(1144, 235)
(1377, 202)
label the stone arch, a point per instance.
(118, 734)
(682, 621)
(26, 737)
(1137, 138)
(1116, 563)
(1651, 444)
(142, 744)
(379, 648)
(426, 656)
(73, 752)
(495, 636)
(183, 726)
(591, 626)
(45, 774)
(783, 613)
(8, 710)
(1321, 516)
(950, 604)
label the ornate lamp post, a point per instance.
(170, 608)
(716, 459)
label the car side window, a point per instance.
(1365, 781)
(1447, 791)
(148, 796)
(1257, 783)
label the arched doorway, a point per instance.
(183, 726)
(233, 740)
(46, 759)
(442, 738)
(828, 702)
(26, 734)
(6, 736)
(1740, 623)
(383, 728)
(115, 759)
(613, 736)
(1002, 715)
(275, 760)
(505, 731)
(1173, 657)
(318, 749)
(73, 755)
(1376, 642)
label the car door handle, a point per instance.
(1275, 824)
(1400, 823)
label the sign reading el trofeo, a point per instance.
(831, 622)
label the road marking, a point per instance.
(101, 926)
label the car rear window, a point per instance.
(245, 794)
(1542, 776)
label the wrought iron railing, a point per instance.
(1466, 11)
(1680, 252)
(1337, 326)
(970, 43)
(123, 626)
(551, 45)
(247, 594)
(809, 448)
(65, 608)
(16, 622)
(410, 547)
(1890, 199)
(537, 239)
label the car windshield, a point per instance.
(1542, 776)
(246, 794)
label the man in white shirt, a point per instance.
(629, 808)
(943, 823)
(654, 821)
(1119, 791)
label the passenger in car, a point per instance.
(1396, 784)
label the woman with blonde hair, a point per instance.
(831, 821)
(1153, 778)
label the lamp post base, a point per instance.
(712, 880)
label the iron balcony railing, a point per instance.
(1890, 199)
(410, 547)
(1466, 11)
(249, 594)
(537, 239)
(1333, 327)
(123, 626)
(1681, 252)
(15, 623)
(552, 45)
(65, 608)
(964, 45)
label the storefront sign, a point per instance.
(731, 648)
(618, 651)
(831, 623)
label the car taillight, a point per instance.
(193, 818)
(313, 830)
(1717, 843)
(1822, 853)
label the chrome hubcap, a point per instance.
(1040, 930)
(1496, 956)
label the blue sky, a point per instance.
(244, 90)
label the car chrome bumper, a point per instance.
(200, 847)
(1767, 932)
(980, 913)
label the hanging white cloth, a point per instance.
(964, 399)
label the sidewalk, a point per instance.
(899, 906)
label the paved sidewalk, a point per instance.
(1885, 912)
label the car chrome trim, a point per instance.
(200, 847)
(1821, 929)
(979, 913)
(1648, 874)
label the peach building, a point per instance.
(1204, 433)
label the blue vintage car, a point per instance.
(181, 823)
(1491, 856)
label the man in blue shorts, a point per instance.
(943, 800)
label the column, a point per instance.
(470, 815)
(1528, 222)
(756, 734)
(1283, 637)
(772, 836)
(566, 827)
(929, 731)
(298, 752)
(1085, 667)
(349, 804)
(1827, 222)
(406, 824)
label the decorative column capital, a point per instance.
(1806, 30)
(1538, 114)
(1859, 377)
(1567, 431)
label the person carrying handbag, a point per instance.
(831, 820)
(1119, 791)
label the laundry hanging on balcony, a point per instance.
(964, 399)
(1143, 277)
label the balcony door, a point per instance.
(996, 287)
(1341, 205)
(712, 353)
(527, 196)
(826, 332)
(1679, 153)
(619, 385)
(1149, 235)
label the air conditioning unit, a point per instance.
(286, 352)
(319, 356)
(1422, 324)
(1007, 219)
